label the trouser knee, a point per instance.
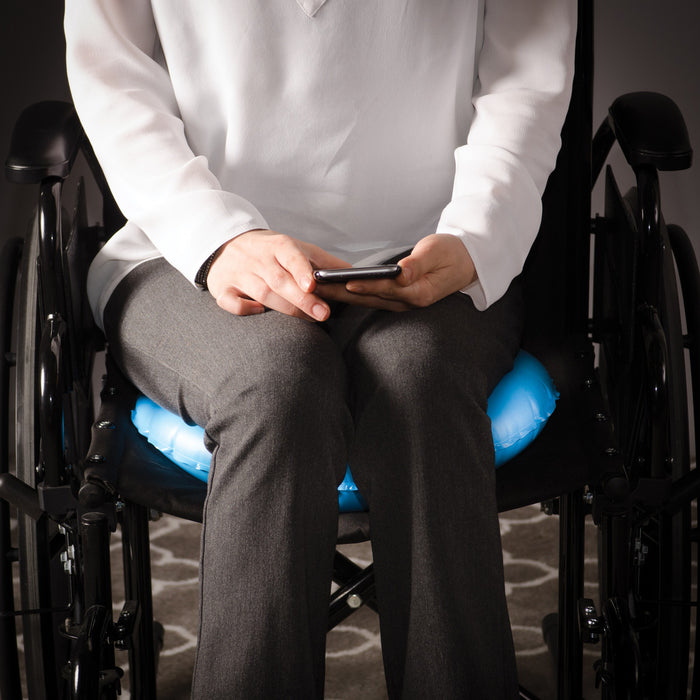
(285, 411)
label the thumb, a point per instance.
(413, 267)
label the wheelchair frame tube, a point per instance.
(656, 361)
(97, 588)
(137, 587)
(51, 316)
(94, 535)
(571, 554)
(652, 246)
(50, 398)
(50, 249)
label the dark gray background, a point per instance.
(31, 69)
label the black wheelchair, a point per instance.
(609, 326)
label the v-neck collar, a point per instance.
(311, 7)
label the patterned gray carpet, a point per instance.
(354, 670)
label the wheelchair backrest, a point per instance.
(556, 273)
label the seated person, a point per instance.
(249, 143)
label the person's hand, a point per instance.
(264, 269)
(438, 266)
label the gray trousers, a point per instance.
(285, 404)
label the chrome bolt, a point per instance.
(354, 601)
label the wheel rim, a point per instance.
(42, 581)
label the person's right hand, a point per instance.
(263, 269)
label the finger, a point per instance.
(296, 262)
(269, 268)
(238, 305)
(279, 290)
(422, 292)
(293, 280)
(337, 292)
(387, 289)
(391, 287)
(438, 266)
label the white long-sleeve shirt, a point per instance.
(358, 125)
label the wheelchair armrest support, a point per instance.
(45, 142)
(651, 131)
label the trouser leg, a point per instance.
(423, 454)
(270, 392)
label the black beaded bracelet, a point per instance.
(201, 277)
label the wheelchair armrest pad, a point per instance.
(45, 143)
(651, 131)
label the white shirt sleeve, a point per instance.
(522, 91)
(125, 100)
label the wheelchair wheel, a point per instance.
(64, 555)
(45, 586)
(644, 553)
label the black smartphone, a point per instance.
(347, 274)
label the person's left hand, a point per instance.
(438, 266)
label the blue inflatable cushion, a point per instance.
(519, 408)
